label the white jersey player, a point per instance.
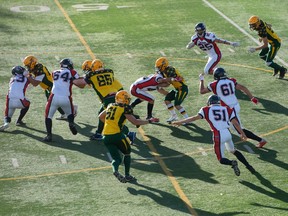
(219, 118)
(61, 96)
(206, 41)
(141, 87)
(225, 88)
(15, 98)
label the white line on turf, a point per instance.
(240, 29)
(63, 159)
(203, 152)
(15, 163)
(196, 51)
(231, 50)
(162, 53)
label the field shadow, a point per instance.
(201, 135)
(174, 161)
(269, 106)
(159, 196)
(171, 201)
(273, 192)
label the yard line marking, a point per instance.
(109, 156)
(63, 159)
(202, 150)
(249, 149)
(173, 180)
(55, 174)
(15, 163)
(162, 53)
(196, 51)
(231, 50)
(129, 55)
(75, 30)
(240, 29)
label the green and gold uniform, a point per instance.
(274, 44)
(41, 73)
(181, 89)
(105, 86)
(114, 137)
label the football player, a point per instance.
(141, 87)
(40, 75)
(15, 98)
(61, 96)
(181, 89)
(105, 85)
(207, 42)
(218, 118)
(114, 118)
(271, 44)
(225, 88)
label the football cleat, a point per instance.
(73, 128)
(235, 167)
(119, 177)
(172, 118)
(62, 117)
(129, 178)
(261, 144)
(4, 127)
(276, 71)
(283, 71)
(96, 136)
(20, 123)
(48, 138)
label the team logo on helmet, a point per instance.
(97, 64)
(254, 22)
(18, 70)
(161, 64)
(219, 73)
(123, 97)
(66, 63)
(213, 99)
(200, 29)
(86, 66)
(30, 62)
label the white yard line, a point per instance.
(15, 163)
(63, 159)
(203, 152)
(240, 29)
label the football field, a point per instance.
(177, 170)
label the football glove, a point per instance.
(254, 100)
(235, 44)
(251, 49)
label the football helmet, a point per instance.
(219, 73)
(66, 63)
(200, 29)
(96, 64)
(30, 62)
(213, 99)
(18, 70)
(254, 22)
(123, 97)
(161, 64)
(86, 66)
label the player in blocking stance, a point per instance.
(15, 98)
(219, 118)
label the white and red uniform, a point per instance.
(207, 44)
(219, 118)
(15, 98)
(61, 95)
(147, 83)
(225, 89)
